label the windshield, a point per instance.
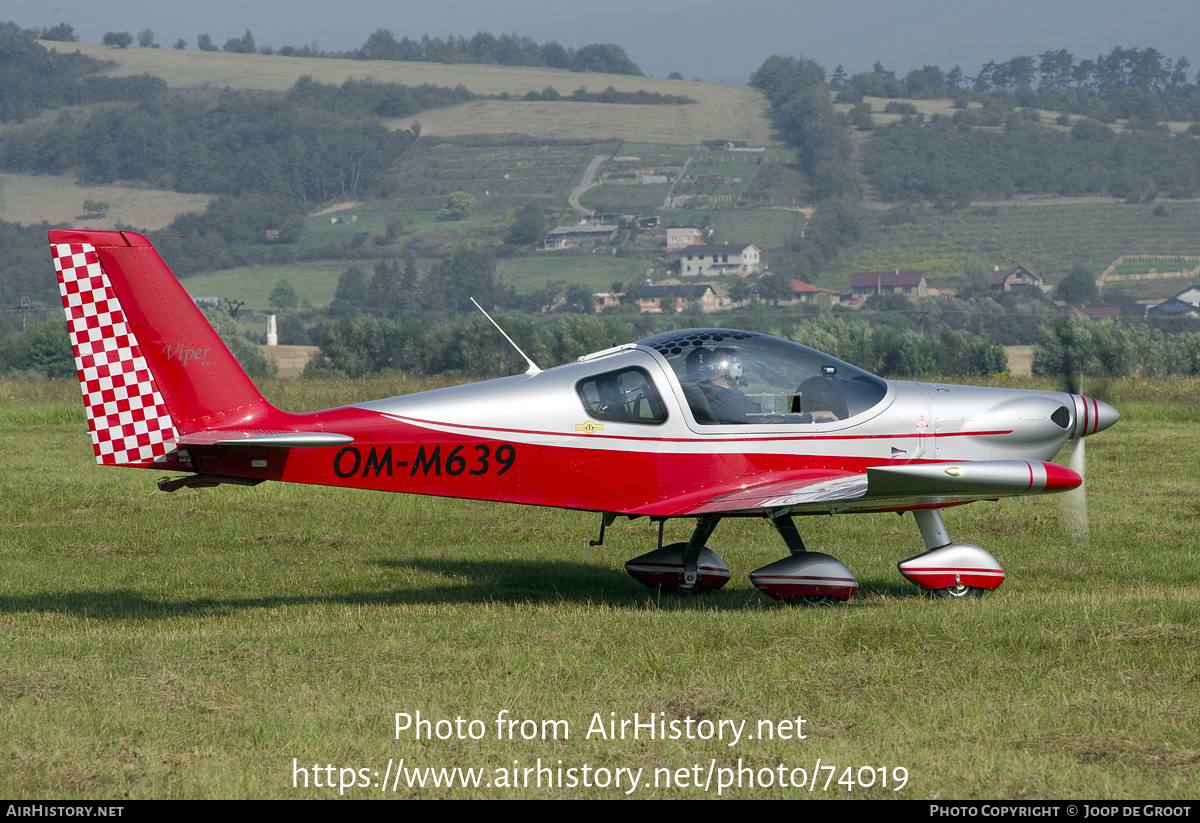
(731, 377)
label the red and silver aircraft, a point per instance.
(702, 424)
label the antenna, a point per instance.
(533, 369)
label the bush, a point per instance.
(120, 39)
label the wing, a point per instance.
(889, 488)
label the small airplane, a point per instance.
(702, 424)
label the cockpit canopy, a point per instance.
(731, 376)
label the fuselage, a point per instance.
(553, 439)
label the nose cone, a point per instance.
(1092, 415)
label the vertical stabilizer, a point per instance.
(150, 365)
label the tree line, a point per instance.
(641, 97)
(1075, 345)
(1000, 150)
(505, 50)
(1125, 83)
(803, 112)
(366, 344)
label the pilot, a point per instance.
(718, 373)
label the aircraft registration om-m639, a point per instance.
(702, 424)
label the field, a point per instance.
(31, 199)
(1050, 236)
(727, 111)
(315, 282)
(765, 228)
(621, 187)
(598, 270)
(222, 643)
(497, 176)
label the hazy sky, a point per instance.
(710, 39)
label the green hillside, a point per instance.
(357, 196)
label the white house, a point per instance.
(729, 258)
(682, 238)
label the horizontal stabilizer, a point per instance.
(278, 439)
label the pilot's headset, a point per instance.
(705, 365)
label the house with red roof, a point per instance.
(1017, 280)
(806, 293)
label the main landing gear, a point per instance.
(804, 578)
(682, 568)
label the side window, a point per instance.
(625, 396)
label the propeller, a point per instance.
(1076, 500)
(1069, 344)
(1071, 335)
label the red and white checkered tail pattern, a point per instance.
(129, 421)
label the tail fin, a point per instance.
(150, 366)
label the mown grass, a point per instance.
(765, 228)
(192, 645)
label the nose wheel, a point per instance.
(956, 591)
(949, 570)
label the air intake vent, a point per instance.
(1062, 417)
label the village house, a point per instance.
(730, 258)
(608, 299)
(565, 237)
(804, 293)
(682, 238)
(1187, 302)
(1017, 280)
(659, 299)
(909, 283)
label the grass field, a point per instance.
(33, 198)
(597, 270)
(765, 228)
(732, 112)
(211, 643)
(584, 121)
(315, 282)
